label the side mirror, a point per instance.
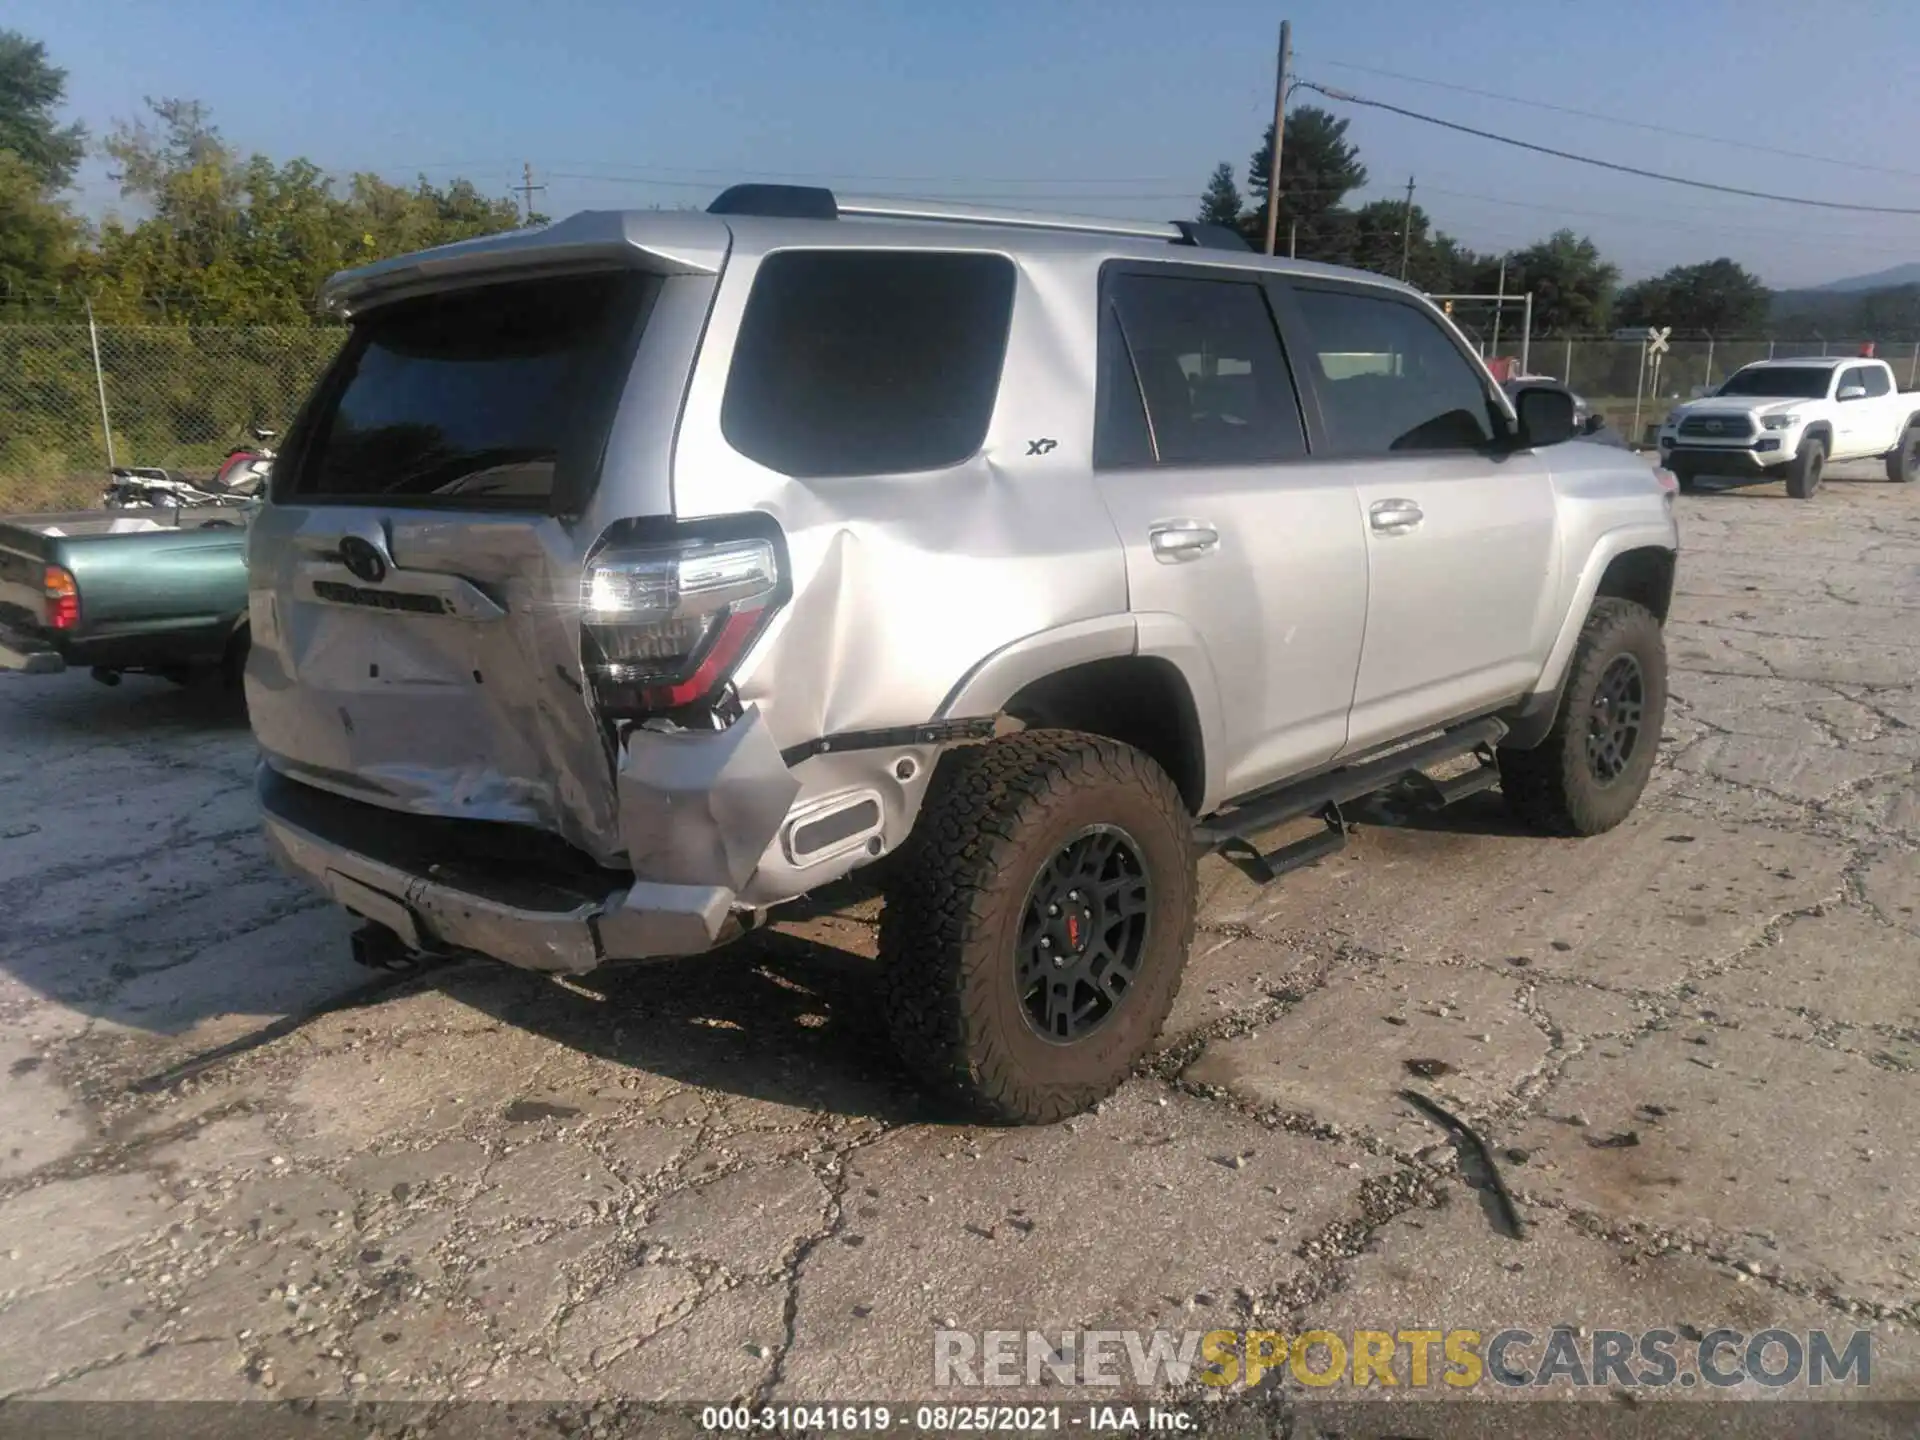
(1852, 392)
(1546, 415)
(1595, 422)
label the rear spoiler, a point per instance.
(671, 243)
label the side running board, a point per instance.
(1231, 831)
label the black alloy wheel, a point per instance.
(1083, 933)
(1613, 726)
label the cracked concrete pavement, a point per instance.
(1691, 1045)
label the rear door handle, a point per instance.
(1394, 517)
(1175, 541)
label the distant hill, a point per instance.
(1850, 310)
(1879, 280)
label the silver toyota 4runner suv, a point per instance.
(626, 578)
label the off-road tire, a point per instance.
(1903, 461)
(1809, 467)
(994, 817)
(1553, 787)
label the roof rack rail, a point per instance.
(808, 202)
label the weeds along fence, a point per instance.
(74, 399)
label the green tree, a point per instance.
(31, 91)
(1221, 204)
(1718, 297)
(1572, 285)
(247, 241)
(1319, 168)
(37, 234)
(1889, 314)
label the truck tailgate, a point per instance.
(24, 555)
(164, 570)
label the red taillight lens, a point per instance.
(665, 625)
(62, 597)
(1668, 482)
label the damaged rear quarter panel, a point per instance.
(903, 583)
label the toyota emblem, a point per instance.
(1711, 425)
(364, 559)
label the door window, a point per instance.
(1390, 379)
(1202, 359)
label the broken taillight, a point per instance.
(62, 598)
(665, 624)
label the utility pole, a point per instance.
(1279, 134)
(100, 381)
(1406, 231)
(526, 189)
(1499, 304)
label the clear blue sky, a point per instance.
(1108, 106)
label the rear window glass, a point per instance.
(483, 396)
(867, 362)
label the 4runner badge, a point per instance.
(1042, 447)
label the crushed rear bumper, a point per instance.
(533, 909)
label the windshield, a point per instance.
(477, 396)
(1785, 382)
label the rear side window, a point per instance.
(486, 396)
(1871, 378)
(1390, 380)
(868, 362)
(1207, 361)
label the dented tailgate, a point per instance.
(415, 580)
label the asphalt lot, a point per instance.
(1691, 1045)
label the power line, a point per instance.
(1188, 195)
(1349, 98)
(734, 172)
(1824, 239)
(1621, 120)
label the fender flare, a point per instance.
(990, 684)
(1539, 708)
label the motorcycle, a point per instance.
(240, 480)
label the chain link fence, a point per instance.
(180, 396)
(1608, 373)
(74, 400)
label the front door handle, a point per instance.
(1175, 541)
(1394, 517)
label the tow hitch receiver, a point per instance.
(378, 948)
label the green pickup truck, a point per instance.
(156, 592)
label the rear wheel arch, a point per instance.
(1143, 701)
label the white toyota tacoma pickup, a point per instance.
(1785, 419)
